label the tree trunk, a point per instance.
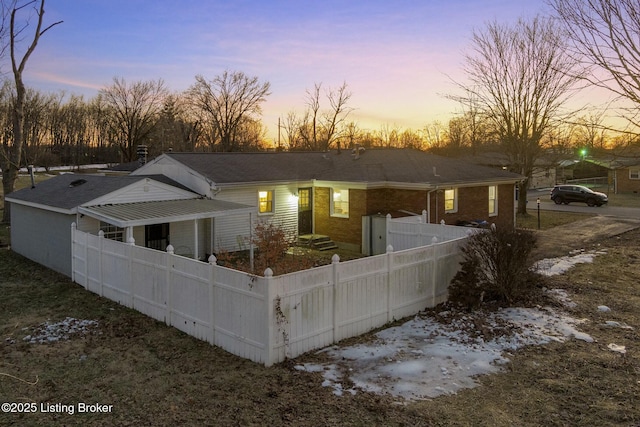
(522, 196)
(10, 175)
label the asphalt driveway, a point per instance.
(547, 204)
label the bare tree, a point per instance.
(606, 34)
(133, 112)
(226, 101)
(519, 77)
(434, 134)
(318, 129)
(11, 156)
(179, 128)
(291, 128)
(309, 125)
(335, 117)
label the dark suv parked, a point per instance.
(577, 193)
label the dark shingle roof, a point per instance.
(374, 165)
(68, 191)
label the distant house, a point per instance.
(623, 173)
(543, 174)
(330, 193)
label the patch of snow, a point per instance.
(614, 324)
(424, 358)
(561, 296)
(617, 348)
(47, 332)
(556, 266)
(604, 308)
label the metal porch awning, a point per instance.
(144, 213)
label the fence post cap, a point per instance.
(213, 260)
(335, 259)
(389, 249)
(442, 222)
(101, 233)
(434, 240)
(74, 225)
(268, 272)
(170, 249)
(131, 241)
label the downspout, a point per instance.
(429, 204)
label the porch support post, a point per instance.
(211, 234)
(251, 240)
(195, 239)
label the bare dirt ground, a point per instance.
(559, 241)
(154, 375)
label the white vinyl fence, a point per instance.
(413, 231)
(267, 319)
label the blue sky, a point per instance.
(396, 57)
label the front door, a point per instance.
(305, 211)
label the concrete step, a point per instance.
(317, 241)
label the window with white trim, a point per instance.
(265, 201)
(112, 232)
(340, 202)
(493, 200)
(634, 173)
(451, 200)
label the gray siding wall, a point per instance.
(42, 236)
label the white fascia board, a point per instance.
(342, 184)
(162, 158)
(154, 220)
(241, 185)
(167, 160)
(41, 206)
(462, 184)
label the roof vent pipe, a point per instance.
(357, 151)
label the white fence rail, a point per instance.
(413, 232)
(267, 319)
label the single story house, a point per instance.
(202, 203)
(623, 173)
(329, 193)
(140, 209)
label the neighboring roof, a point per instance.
(142, 213)
(373, 165)
(615, 162)
(67, 191)
(500, 159)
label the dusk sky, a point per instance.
(396, 57)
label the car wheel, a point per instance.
(591, 202)
(558, 200)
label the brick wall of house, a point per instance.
(387, 200)
(344, 230)
(624, 183)
(473, 204)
